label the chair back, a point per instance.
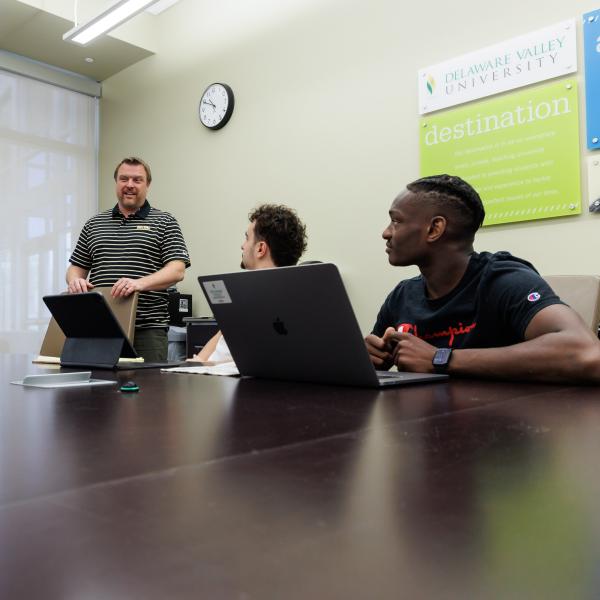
(581, 293)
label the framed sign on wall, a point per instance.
(520, 151)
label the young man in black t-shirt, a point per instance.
(487, 315)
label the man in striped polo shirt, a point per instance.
(133, 247)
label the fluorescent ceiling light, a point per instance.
(161, 6)
(106, 21)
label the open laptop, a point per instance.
(296, 323)
(94, 337)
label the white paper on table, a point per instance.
(224, 369)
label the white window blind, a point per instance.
(48, 188)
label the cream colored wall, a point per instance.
(325, 121)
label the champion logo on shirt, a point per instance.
(534, 297)
(451, 332)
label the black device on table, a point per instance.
(94, 337)
(271, 319)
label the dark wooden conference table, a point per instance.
(209, 487)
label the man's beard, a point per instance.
(129, 202)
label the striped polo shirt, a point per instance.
(112, 246)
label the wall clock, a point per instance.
(216, 105)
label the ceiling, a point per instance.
(37, 34)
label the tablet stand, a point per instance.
(99, 352)
(93, 335)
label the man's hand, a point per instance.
(79, 285)
(125, 287)
(410, 352)
(380, 349)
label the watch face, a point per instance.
(441, 357)
(216, 105)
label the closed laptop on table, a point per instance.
(296, 323)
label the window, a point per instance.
(48, 189)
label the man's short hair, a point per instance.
(280, 227)
(452, 192)
(134, 160)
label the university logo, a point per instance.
(430, 84)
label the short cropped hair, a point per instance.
(134, 160)
(452, 192)
(280, 227)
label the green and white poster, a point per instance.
(520, 152)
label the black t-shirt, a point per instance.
(492, 305)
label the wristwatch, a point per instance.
(441, 358)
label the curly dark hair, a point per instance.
(280, 227)
(453, 193)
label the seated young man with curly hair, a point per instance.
(275, 238)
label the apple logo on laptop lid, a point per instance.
(279, 326)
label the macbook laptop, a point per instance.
(297, 324)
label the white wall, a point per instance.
(325, 121)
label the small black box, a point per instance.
(199, 330)
(180, 306)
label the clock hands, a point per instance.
(210, 103)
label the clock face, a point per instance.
(216, 105)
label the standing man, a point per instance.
(484, 315)
(275, 238)
(134, 248)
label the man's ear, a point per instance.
(261, 249)
(437, 228)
